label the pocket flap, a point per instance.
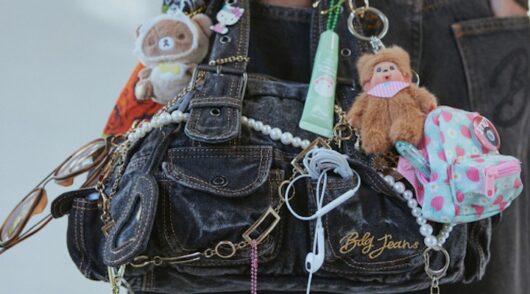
(227, 171)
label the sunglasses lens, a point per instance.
(22, 211)
(82, 160)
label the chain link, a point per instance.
(231, 59)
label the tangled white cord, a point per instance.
(318, 162)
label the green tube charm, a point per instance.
(319, 104)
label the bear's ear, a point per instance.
(204, 23)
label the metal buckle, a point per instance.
(270, 212)
(317, 143)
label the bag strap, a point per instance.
(216, 108)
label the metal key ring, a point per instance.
(436, 273)
(363, 10)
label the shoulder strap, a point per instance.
(215, 109)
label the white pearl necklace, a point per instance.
(178, 116)
(286, 138)
(275, 133)
(426, 230)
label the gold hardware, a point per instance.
(281, 191)
(317, 143)
(230, 246)
(115, 278)
(266, 233)
(231, 59)
(142, 261)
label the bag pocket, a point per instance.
(368, 234)
(495, 54)
(210, 197)
(84, 237)
(373, 238)
(484, 185)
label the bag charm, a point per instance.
(317, 116)
(462, 177)
(170, 46)
(391, 108)
(229, 15)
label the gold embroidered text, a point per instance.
(369, 247)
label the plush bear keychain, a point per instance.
(170, 46)
(391, 108)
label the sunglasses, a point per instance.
(91, 158)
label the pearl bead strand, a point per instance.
(157, 121)
(276, 134)
(178, 116)
(426, 230)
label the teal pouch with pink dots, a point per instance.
(467, 179)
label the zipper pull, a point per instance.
(491, 175)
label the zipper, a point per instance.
(499, 171)
(504, 169)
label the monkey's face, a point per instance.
(167, 38)
(385, 72)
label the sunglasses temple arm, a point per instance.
(35, 228)
(46, 180)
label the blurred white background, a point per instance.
(62, 65)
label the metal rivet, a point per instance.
(225, 39)
(219, 181)
(215, 112)
(345, 52)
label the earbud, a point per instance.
(314, 260)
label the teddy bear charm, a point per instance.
(170, 46)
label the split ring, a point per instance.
(363, 10)
(227, 245)
(436, 273)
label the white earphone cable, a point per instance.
(318, 162)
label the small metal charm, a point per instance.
(227, 16)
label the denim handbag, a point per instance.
(189, 193)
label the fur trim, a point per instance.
(145, 28)
(395, 54)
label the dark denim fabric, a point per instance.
(186, 189)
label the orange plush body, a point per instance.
(390, 108)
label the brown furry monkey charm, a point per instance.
(390, 108)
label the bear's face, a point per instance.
(168, 37)
(171, 38)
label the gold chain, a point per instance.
(231, 59)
